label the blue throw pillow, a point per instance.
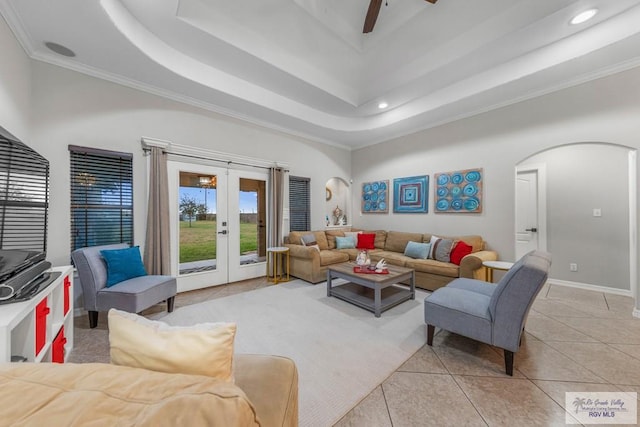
(345, 242)
(123, 264)
(417, 250)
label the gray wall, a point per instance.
(580, 178)
(604, 110)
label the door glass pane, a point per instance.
(253, 230)
(198, 229)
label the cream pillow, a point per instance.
(202, 349)
(434, 243)
(353, 235)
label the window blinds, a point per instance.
(299, 204)
(101, 197)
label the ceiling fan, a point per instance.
(372, 14)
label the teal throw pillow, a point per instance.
(417, 250)
(123, 264)
(345, 242)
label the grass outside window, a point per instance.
(198, 241)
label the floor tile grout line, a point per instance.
(586, 312)
(453, 377)
(381, 387)
(570, 327)
(386, 404)
(622, 351)
(578, 289)
(578, 363)
(550, 397)
(435, 353)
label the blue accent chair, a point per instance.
(494, 314)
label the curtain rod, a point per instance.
(228, 162)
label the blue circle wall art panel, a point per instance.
(411, 194)
(459, 191)
(374, 196)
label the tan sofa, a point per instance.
(309, 264)
(265, 393)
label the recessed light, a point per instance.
(59, 49)
(583, 16)
(383, 105)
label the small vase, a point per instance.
(362, 259)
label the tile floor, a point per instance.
(575, 340)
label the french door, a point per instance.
(218, 219)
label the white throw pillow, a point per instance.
(201, 349)
(432, 250)
(353, 235)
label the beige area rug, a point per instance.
(342, 352)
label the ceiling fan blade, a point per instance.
(372, 15)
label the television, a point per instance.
(24, 203)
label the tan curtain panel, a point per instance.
(156, 250)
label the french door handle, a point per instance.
(533, 230)
(222, 232)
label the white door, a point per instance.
(530, 211)
(216, 216)
(247, 216)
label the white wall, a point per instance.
(72, 108)
(15, 85)
(580, 178)
(604, 110)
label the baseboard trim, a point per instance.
(589, 287)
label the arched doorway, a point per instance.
(337, 204)
(587, 201)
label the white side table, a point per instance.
(495, 265)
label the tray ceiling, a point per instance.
(306, 68)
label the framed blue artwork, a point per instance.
(375, 197)
(459, 191)
(410, 195)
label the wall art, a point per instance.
(459, 191)
(375, 197)
(410, 195)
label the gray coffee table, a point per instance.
(373, 292)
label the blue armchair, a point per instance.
(133, 295)
(494, 314)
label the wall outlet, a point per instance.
(573, 266)
(597, 212)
